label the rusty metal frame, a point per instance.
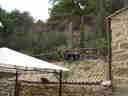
(16, 92)
(60, 83)
(110, 48)
(109, 40)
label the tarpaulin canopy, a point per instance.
(12, 58)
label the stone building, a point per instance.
(118, 28)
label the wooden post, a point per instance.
(60, 83)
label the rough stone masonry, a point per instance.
(119, 27)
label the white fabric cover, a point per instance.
(9, 57)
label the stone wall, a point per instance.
(67, 90)
(39, 89)
(119, 26)
(92, 72)
(6, 87)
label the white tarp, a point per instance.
(9, 57)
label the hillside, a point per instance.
(86, 70)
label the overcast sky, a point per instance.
(37, 8)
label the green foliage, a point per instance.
(101, 43)
(52, 40)
(20, 32)
(55, 54)
(117, 4)
(66, 75)
(68, 9)
(16, 28)
(95, 9)
(60, 51)
(82, 36)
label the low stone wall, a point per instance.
(27, 89)
(39, 89)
